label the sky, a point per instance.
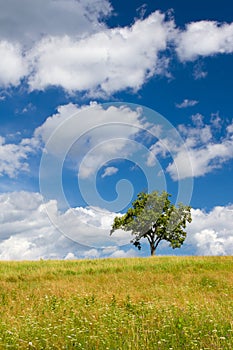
(100, 100)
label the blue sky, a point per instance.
(102, 99)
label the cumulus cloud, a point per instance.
(27, 233)
(13, 66)
(72, 121)
(203, 160)
(206, 153)
(107, 61)
(90, 135)
(89, 226)
(120, 253)
(25, 23)
(211, 233)
(66, 44)
(187, 103)
(22, 212)
(204, 38)
(13, 157)
(206, 150)
(32, 19)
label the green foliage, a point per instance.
(155, 218)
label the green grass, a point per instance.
(139, 303)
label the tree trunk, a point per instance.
(152, 250)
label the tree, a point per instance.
(155, 218)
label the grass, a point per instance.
(139, 303)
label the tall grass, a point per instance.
(139, 303)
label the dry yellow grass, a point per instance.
(138, 303)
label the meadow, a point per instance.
(112, 304)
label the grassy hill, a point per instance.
(139, 303)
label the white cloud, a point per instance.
(187, 103)
(160, 148)
(24, 213)
(203, 160)
(13, 157)
(70, 256)
(90, 135)
(66, 44)
(26, 21)
(205, 151)
(94, 225)
(230, 128)
(211, 233)
(141, 10)
(124, 254)
(91, 254)
(44, 131)
(107, 61)
(199, 72)
(13, 66)
(109, 171)
(27, 233)
(198, 121)
(204, 38)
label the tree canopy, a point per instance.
(154, 217)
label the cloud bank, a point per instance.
(27, 233)
(66, 44)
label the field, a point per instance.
(139, 303)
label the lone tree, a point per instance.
(155, 218)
